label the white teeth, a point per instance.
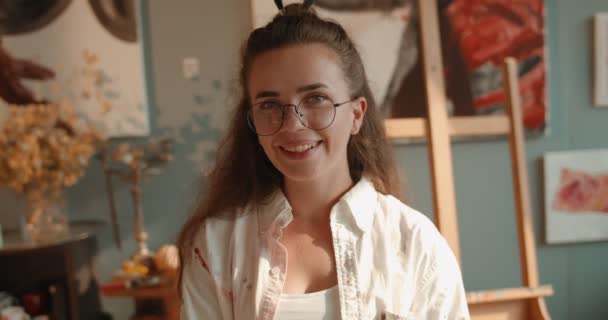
(300, 148)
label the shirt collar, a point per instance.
(361, 200)
(270, 210)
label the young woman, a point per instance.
(300, 219)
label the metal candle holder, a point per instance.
(132, 164)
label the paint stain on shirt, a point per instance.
(197, 252)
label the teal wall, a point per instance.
(195, 112)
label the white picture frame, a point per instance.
(576, 196)
(600, 43)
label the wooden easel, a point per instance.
(526, 302)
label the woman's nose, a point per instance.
(292, 121)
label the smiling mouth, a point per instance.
(301, 148)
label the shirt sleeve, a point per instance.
(442, 286)
(199, 294)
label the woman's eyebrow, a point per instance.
(266, 94)
(313, 86)
(272, 94)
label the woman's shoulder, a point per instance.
(219, 234)
(410, 224)
(240, 226)
(393, 208)
(416, 238)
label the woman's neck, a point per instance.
(312, 200)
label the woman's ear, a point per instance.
(359, 112)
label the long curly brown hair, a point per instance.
(242, 174)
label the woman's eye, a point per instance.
(316, 99)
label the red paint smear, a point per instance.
(200, 258)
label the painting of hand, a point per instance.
(13, 71)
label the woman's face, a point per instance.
(309, 73)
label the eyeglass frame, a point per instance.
(298, 114)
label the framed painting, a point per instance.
(576, 196)
(475, 37)
(94, 50)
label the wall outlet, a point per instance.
(191, 68)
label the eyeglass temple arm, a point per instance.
(343, 103)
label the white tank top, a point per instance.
(320, 305)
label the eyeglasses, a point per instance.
(316, 112)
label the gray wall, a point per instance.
(195, 113)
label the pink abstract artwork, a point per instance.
(582, 192)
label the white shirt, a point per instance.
(392, 263)
(320, 305)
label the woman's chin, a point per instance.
(300, 175)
